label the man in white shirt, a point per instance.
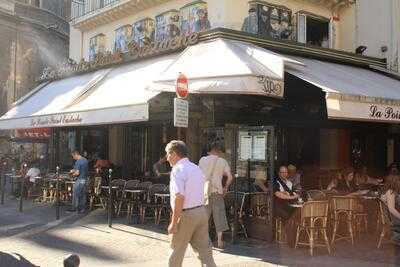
(189, 222)
(215, 168)
(32, 173)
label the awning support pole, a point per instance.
(58, 193)
(110, 201)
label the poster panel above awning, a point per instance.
(109, 96)
(224, 66)
(352, 93)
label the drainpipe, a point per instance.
(15, 63)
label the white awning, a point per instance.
(225, 66)
(352, 93)
(102, 97)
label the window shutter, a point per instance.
(301, 28)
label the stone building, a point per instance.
(34, 34)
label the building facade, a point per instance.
(35, 34)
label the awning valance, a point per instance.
(103, 97)
(352, 93)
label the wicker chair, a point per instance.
(165, 207)
(385, 222)
(126, 197)
(343, 210)
(96, 198)
(117, 193)
(360, 218)
(314, 220)
(316, 195)
(151, 202)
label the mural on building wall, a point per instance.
(123, 36)
(143, 31)
(194, 18)
(167, 25)
(269, 21)
(97, 44)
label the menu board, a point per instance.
(252, 145)
(259, 142)
(245, 147)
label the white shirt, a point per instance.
(32, 174)
(288, 183)
(188, 180)
(221, 167)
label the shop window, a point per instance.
(143, 31)
(123, 36)
(194, 18)
(314, 30)
(67, 143)
(167, 25)
(97, 44)
(35, 3)
(269, 20)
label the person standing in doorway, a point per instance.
(189, 221)
(215, 168)
(80, 172)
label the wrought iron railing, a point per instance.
(81, 8)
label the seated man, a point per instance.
(284, 194)
(30, 178)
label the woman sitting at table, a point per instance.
(345, 184)
(335, 180)
(392, 199)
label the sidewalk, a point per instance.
(37, 236)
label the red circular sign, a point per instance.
(182, 89)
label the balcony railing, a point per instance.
(81, 8)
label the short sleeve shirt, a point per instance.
(32, 174)
(187, 179)
(82, 166)
(221, 167)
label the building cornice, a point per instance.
(294, 48)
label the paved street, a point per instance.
(39, 238)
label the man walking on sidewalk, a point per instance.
(189, 223)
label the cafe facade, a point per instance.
(270, 100)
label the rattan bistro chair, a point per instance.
(127, 199)
(96, 196)
(385, 222)
(152, 202)
(343, 210)
(314, 220)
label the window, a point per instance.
(97, 44)
(35, 3)
(143, 31)
(314, 30)
(123, 36)
(194, 18)
(167, 25)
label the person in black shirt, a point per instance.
(347, 184)
(283, 197)
(284, 194)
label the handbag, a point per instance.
(208, 184)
